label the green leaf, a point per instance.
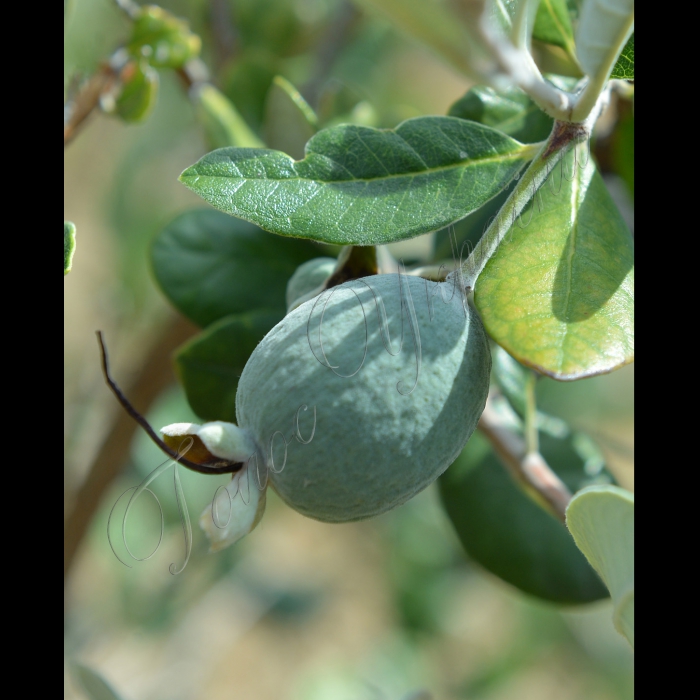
(289, 121)
(558, 292)
(624, 68)
(622, 149)
(553, 25)
(68, 246)
(604, 26)
(223, 125)
(507, 533)
(95, 687)
(162, 39)
(210, 365)
(211, 265)
(601, 520)
(363, 186)
(139, 92)
(509, 110)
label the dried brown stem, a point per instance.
(529, 469)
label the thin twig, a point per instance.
(517, 63)
(587, 100)
(155, 374)
(546, 156)
(77, 110)
(529, 469)
(222, 467)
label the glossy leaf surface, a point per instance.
(601, 520)
(68, 246)
(624, 68)
(211, 265)
(508, 534)
(210, 365)
(364, 186)
(558, 292)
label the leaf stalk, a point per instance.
(562, 137)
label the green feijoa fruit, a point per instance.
(309, 276)
(361, 397)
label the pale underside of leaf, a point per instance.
(558, 294)
(601, 521)
(364, 186)
(603, 29)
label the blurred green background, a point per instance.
(298, 609)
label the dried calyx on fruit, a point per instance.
(236, 508)
(356, 401)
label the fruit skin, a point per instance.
(373, 447)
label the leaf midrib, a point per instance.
(519, 155)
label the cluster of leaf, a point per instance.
(228, 275)
(556, 296)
